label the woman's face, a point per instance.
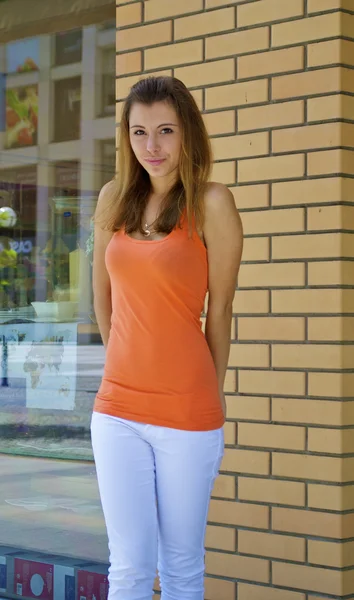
(156, 138)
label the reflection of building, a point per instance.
(55, 145)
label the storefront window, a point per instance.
(53, 162)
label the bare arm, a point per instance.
(101, 281)
(224, 241)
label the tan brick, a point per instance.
(332, 272)
(129, 62)
(307, 301)
(304, 466)
(224, 172)
(317, 412)
(206, 73)
(236, 94)
(216, 3)
(330, 554)
(236, 513)
(335, 385)
(251, 196)
(322, 5)
(330, 162)
(271, 436)
(306, 522)
(230, 433)
(249, 355)
(218, 589)
(273, 115)
(129, 14)
(268, 11)
(307, 578)
(220, 122)
(306, 138)
(330, 107)
(331, 52)
(204, 23)
(271, 275)
(271, 490)
(273, 167)
(331, 497)
(305, 84)
(225, 487)
(271, 328)
(160, 9)
(306, 30)
(271, 545)
(230, 565)
(271, 382)
(271, 62)
(308, 192)
(198, 97)
(245, 461)
(241, 41)
(174, 54)
(251, 301)
(123, 84)
(221, 538)
(256, 249)
(312, 356)
(234, 146)
(330, 217)
(119, 108)
(147, 35)
(331, 328)
(331, 441)
(230, 381)
(258, 592)
(250, 408)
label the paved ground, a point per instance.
(51, 506)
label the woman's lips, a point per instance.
(155, 161)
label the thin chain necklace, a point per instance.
(148, 229)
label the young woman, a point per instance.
(164, 236)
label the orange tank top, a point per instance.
(159, 369)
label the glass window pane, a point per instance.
(55, 154)
(68, 47)
(67, 109)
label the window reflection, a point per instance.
(57, 150)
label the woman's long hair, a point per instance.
(130, 189)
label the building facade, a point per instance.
(275, 82)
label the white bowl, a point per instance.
(55, 310)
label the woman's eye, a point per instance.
(139, 132)
(166, 130)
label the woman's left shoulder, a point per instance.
(219, 202)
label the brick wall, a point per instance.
(275, 81)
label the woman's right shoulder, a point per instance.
(105, 196)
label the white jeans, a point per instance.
(155, 485)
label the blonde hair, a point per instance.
(131, 187)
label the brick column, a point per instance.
(275, 81)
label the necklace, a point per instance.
(149, 229)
